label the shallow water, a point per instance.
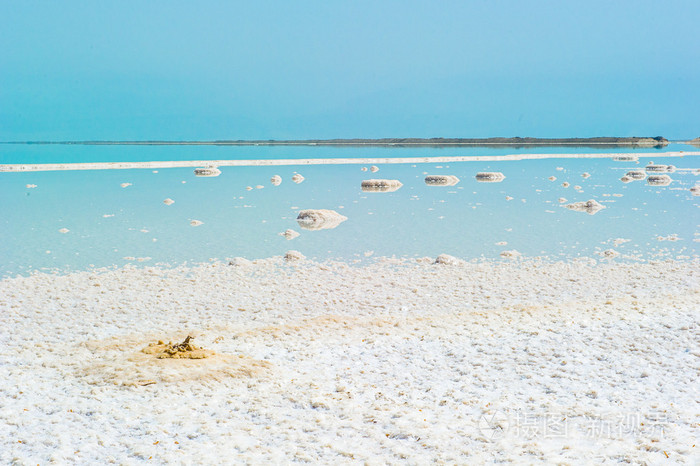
(113, 225)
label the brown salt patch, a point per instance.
(134, 361)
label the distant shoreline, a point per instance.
(657, 141)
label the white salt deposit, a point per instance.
(441, 180)
(276, 180)
(63, 230)
(364, 169)
(31, 186)
(636, 174)
(168, 201)
(552, 178)
(124, 185)
(207, 172)
(319, 219)
(196, 223)
(695, 190)
(586, 175)
(446, 259)
(626, 179)
(659, 180)
(609, 253)
(374, 169)
(490, 177)
(259, 186)
(297, 178)
(380, 186)
(591, 206)
(625, 158)
(565, 184)
(660, 168)
(512, 254)
(562, 200)
(330, 364)
(289, 234)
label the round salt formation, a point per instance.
(321, 219)
(207, 171)
(293, 256)
(695, 190)
(196, 223)
(565, 184)
(441, 180)
(586, 175)
(289, 234)
(297, 178)
(276, 180)
(591, 207)
(374, 169)
(636, 174)
(380, 186)
(490, 177)
(168, 201)
(659, 180)
(63, 230)
(446, 259)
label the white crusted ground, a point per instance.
(463, 363)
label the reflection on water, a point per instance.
(77, 219)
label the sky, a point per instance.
(207, 70)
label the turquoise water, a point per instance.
(113, 225)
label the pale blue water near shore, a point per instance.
(111, 225)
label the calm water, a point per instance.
(113, 225)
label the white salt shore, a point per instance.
(396, 361)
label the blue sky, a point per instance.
(317, 69)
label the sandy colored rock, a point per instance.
(441, 180)
(321, 219)
(380, 186)
(591, 206)
(490, 177)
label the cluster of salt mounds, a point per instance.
(490, 177)
(380, 186)
(441, 180)
(321, 219)
(207, 171)
(591, 206)
(659, 180)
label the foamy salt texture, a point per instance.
(334, 364)
(591, 206)
(441, 180)
(319, 219)
(380, 186)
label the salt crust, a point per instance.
(331, 363)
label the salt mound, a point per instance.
(30, 186)
(512, 254)
(609, 253)
(490, 177)
(289, 234)
(297, 178)
(586, 175)
(239, 262)
(63, 230)
(184, 350)
(196, 223)
(125, 185)
(660, 168)
(626, 179)
(207, 171)
(293, 256)
(168, 201)
(374, 169)
(636, 174)
(441, 180)
(380, 186)
(695, 190)
(659, 180)
(625, 158)
(322, 219)
(276, 180)
(591, 206)
(446, 259)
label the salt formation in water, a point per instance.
(577, 188)
(446, 259)
(591, 206)
(490, 177)
(239, 262)
(609, 253)
(636, 174)
(124, 185)
(659, 180)
(695, 190)
(625, 158)
(168, 201)
(289, 234)
(565, 184)
(248, 188)
(31, 186)
(196, 223)
(321, 219)
(259, 186)
(562, 200)
(626, 179)
(380, 186)
(441, 180)
(374, 169)
(292, 256)
(364, 169)
(552, 178)
(63, 230)
(586, 175)
(512, 254)
(660, 168)
(276, 180)
(297, 178)
(207, 171)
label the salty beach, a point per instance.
(521, 361)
